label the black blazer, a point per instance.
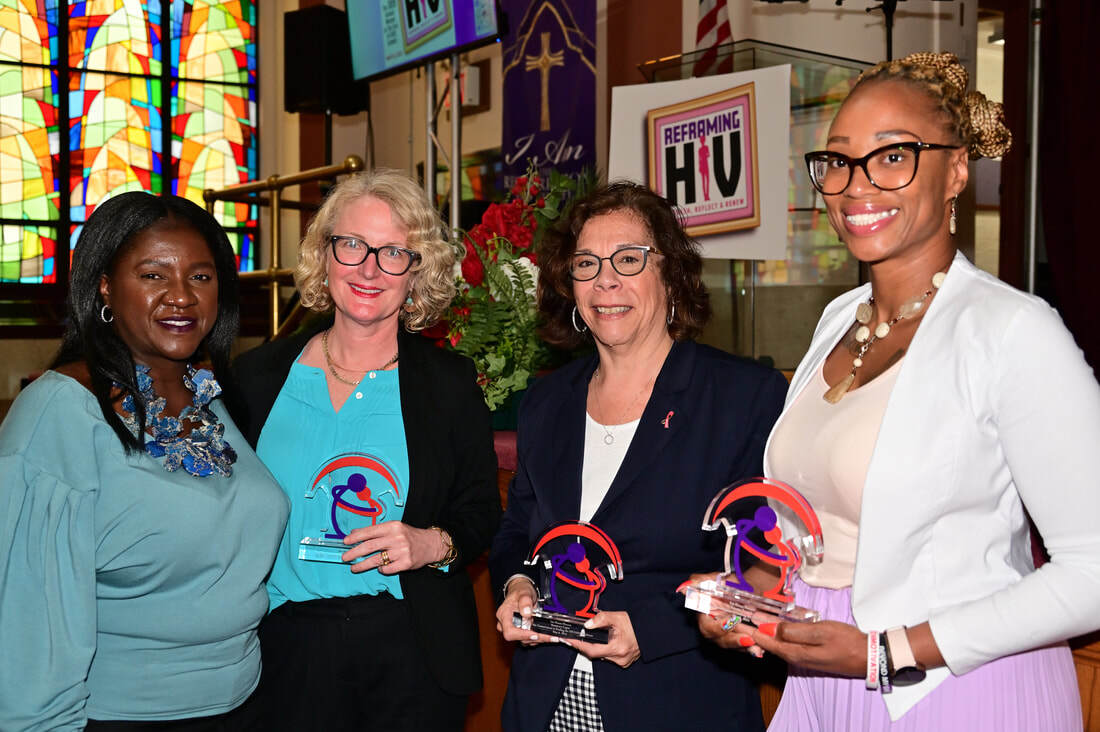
(722, 408)
(452, 483)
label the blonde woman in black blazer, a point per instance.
(405, 657)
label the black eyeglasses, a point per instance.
(627, 261)
(352, 252)
(887, 168)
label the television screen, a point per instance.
(391, 35)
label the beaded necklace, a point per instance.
(865, 338)
(204, 450)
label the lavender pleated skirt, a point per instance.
(1034, 691)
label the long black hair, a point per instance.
(109, 230)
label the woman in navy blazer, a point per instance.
(637, 439)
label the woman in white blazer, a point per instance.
(937, 408)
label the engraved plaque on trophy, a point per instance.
(730, 594)
(359, 490)
(574, 561)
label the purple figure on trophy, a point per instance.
(730, 593)
(577, 555)
(704, 166)
(589, 579)
(368, 506)
(766, 521)
(362, 489)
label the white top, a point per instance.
(823, 450)
(601, 463)
(994, 408)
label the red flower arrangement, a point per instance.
(493, 317)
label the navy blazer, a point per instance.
(722, 409)
(452, 483)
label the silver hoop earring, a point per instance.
(671, 316)
(103, 312)
(575, 326)
(952, 225)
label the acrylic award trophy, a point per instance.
(572, 559)
(729, 595)
(359, 489)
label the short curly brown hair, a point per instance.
(972, 120)
(681, 265)
(433, 284)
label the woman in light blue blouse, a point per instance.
(136, 524)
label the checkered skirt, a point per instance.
(578, 710)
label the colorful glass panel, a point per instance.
(115, 131)
(114, 138)
(28, 31)
(28, 143)
(27, 254)
(115, 35)
(214, 143)
(214, 41)
(244, 243)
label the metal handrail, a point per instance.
(249, 193)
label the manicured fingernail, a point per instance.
(768, 629)
(757, 653)
(526, 611)
(745, 641)
(588, 625)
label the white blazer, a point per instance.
(994, 410)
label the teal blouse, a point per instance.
(126, 592)
(341, 470)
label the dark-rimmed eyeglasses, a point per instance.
(392, 259)
(887, 168)
(627, 261)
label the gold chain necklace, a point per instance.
(332, 365)
(909, 309)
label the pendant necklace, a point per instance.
(608, 437)
(865, 338)
(332, 364)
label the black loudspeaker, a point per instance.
(317, 63)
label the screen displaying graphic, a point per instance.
(390, 35)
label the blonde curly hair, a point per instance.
(432, 280)
(973, 120)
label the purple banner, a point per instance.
(549, 86)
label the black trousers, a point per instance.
(350, 664)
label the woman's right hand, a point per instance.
(725, 631)
(521, 598)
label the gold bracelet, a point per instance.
(451, 554)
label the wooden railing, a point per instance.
(276, 275)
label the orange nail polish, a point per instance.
(745, 641)
(768, 629)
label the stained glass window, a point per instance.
(155, 95)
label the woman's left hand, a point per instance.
(836, 648)
(622, 646)
(404, 546)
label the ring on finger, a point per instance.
(385, 558)
(731, 622)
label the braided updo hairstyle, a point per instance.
(974, 120)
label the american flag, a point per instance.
(713, 30)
